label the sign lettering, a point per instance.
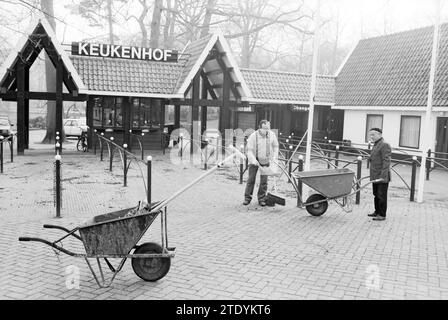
(123, 52)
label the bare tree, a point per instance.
(50, 77)
(141, 20)
(208, 17)
(251, 17)
(155, 23)
(98, 12)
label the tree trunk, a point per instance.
(141, 22)
(50, 77)
(110, 21)
(245, 52)
(207, 18)
(336, 44)
(155, 24)
(172, 24)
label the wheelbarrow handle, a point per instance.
(51, 244)
(70, 232)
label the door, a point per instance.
(442, 138)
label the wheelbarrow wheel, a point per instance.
(316, 209)
(150, 269)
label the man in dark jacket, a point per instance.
(379, 172)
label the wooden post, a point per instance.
(176, 116)
(59, 99)
(194, 113)
(89, 115)
(224, 116)
(162, 124)
(27, 108)
(126, 119)
(20, 107)
(204, 108)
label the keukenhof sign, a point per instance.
(123, 52)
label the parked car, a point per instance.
(5, 127)
(74, 127)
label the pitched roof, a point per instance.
(192, 53)
(282, 87)
(39, 23)
(393, 70)
(118, 76)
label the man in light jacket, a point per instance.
(380, 157)
(262, 149)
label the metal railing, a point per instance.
(127, 158)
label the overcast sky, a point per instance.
(358, 18)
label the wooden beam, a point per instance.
(201, 102)
(213, 72)
(12, 96)
(208, 85)
(223, 66)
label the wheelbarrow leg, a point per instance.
(103, 283)
(101, 269)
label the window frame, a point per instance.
(401, 130)
(366, 139)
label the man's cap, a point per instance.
(376, 129)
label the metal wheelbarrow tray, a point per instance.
(331, 184)
(115, 235)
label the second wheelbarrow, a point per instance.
(331, 184)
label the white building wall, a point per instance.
(355, 127)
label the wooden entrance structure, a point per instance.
(14, 86)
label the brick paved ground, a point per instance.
(224, 250)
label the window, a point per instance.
(410, 131)
(320, 118)
(97, 112)
(146, 113)
(373, 121)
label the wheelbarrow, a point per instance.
(337, 185)
(116, 235)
